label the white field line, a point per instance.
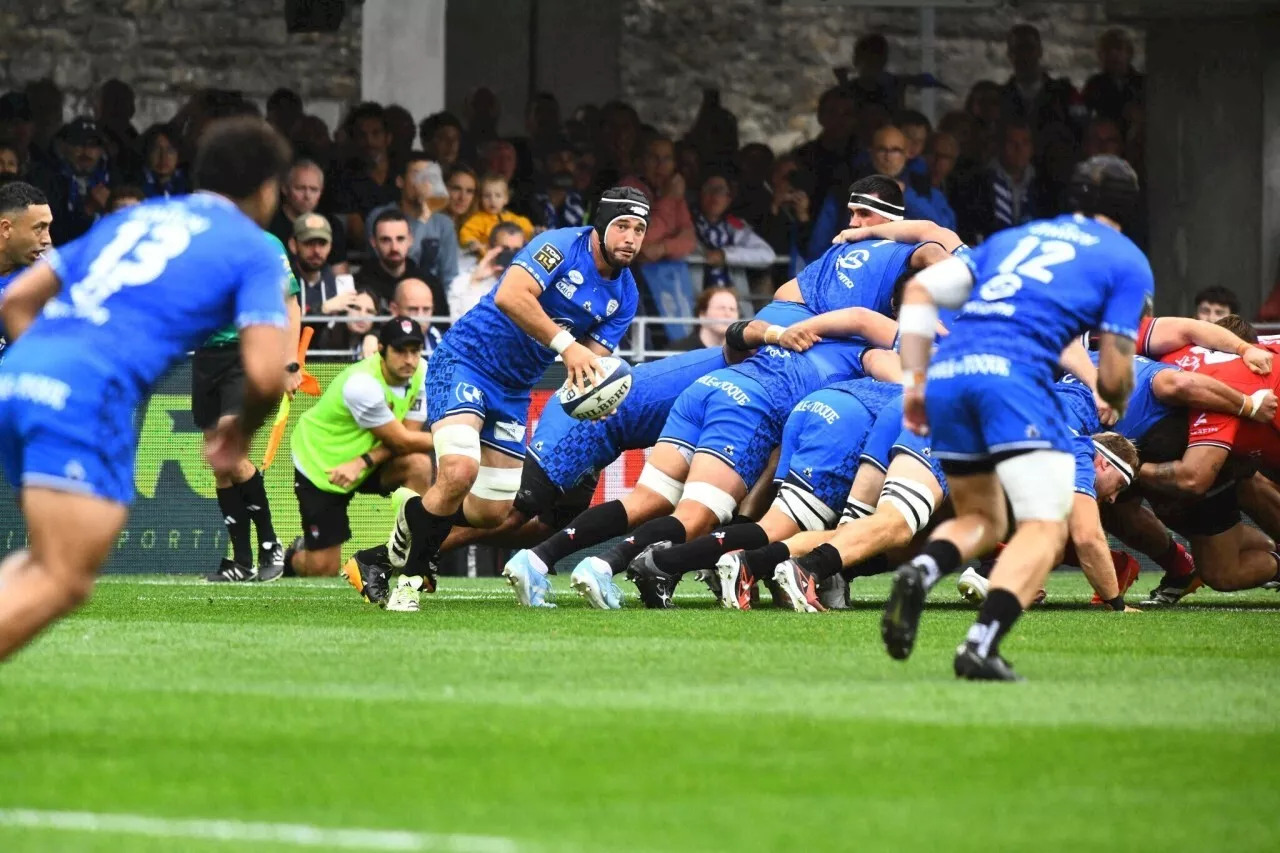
(235, 831)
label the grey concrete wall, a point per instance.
(1204, 158)
(487, 44)
(403, 57)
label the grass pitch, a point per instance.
(174, 715)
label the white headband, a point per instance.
(892, 212)
(1116, 462)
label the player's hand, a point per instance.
(225, 446)
(346, 474)
(1128, 608)
(1107, 415)
(583, 367)
(1264, 403)
(797, 338)
(1258, 360)
(292, 381)
(852, 235)
(913, 414)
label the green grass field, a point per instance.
(172, 715)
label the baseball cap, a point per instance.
(400, 331)
(312, 226)
(83, 131)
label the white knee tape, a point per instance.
(908, 497)
(855, 509)
(803, 508)
(661, 484)
(457, 440)
(1039, 484)
(717, 500)
(496, 484)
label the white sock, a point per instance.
(537, 563)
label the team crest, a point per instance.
(586, 306)
(467, 393)
(611, 307)
(548, 257)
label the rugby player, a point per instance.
(568, 292)
(25, 217)
(96, 323)
(996, 423)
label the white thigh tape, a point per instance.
(1039, 484)
(457, 440)
(496, 484)
(661, 484)
(910, 498)
(717, 500)
(803, 508)
(855, 509)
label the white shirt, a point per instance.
(363, 397)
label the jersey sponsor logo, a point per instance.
(508, 431)
(611, 307)
(548, 257)
(467, 393)
(575, 276)
(970, 365)
(820, 409)
(735, 393)
(35, 388)
(566, 289)
(1063, 231)
(986, 309)
(853, 260)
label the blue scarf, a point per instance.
(571, 215)
(716, 236)
(78, 186)
(151, 186)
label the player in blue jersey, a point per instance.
(821, 441)
(25, 217)
(568, 292)
(996, 424)
(96, 323)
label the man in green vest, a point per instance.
(217, 392)
(364, 436)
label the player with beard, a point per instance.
(25, 217)
(568, 292)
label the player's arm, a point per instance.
(294, 310)
(517, 297)
(1173, 333)
(1115, 370)
(264, 353)
(864, 323)
(1085, 526)
(947, 283)
(905, 231)
(1194, 473)
(25, 298)
(883, 364)
(1198, 391)
(1075, 360)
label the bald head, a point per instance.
(889, 151)
(413, 299)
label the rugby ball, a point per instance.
(602, 398)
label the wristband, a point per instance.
(1117, 603)
(368, 460)
(292, 367)
(562, 341)
(1255, 401)
(773, 333)
(1243, 348)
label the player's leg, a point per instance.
(213, 377)
(1260, 500)
(325, 528)
(58, 573)
(1139, 529)
(1227, 564)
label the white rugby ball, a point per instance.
(602, 398)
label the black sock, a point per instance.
(876, 565)
(703, 552)
(668, 528)
(253, 492)
(741, 519)
(939, 558)
(762, 561)
(999, 612)
(598, 524)
(428, 531)
(236, 517)
(823, 561)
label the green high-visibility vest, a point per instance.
(328, 436)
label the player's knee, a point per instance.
(909, 500)
(1040, 485)
(457, 474)
(718, 501)
(72, 589)
(418, 471)
(458, 451)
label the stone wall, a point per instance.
(169, 48)
(771, 62)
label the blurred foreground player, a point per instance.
(95, 324)
(997, 425)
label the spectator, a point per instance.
(461, 184)
(617, 143)
(872, 83)
(714, 135)
(46, 101)
(161, 174)
(788, 225)
(412, 299)
(1031, 94)
(499, 157)
(441, 135)
(350, 336)
(402, 130)
(941, 156)
(670, 235)
(688, 163)
(10, 159)
(916, 128)
(984, 104)
(390, 264)
(434, 244)
(284, 110)
(714, 303)
(754, 163)
(17, 127)
(829, 156)
(1103, 136)
(1118, 88)
(1214, 303)
(300, 194)
(369, 181)
(310, 243)
(483, 110)
(728, 244)
(1005, 193)
(560, 205)
(311, 141)
(79, 188)
(542, 124)
(494, 196)
(114, 107)
(124, 195)
(478, 277)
